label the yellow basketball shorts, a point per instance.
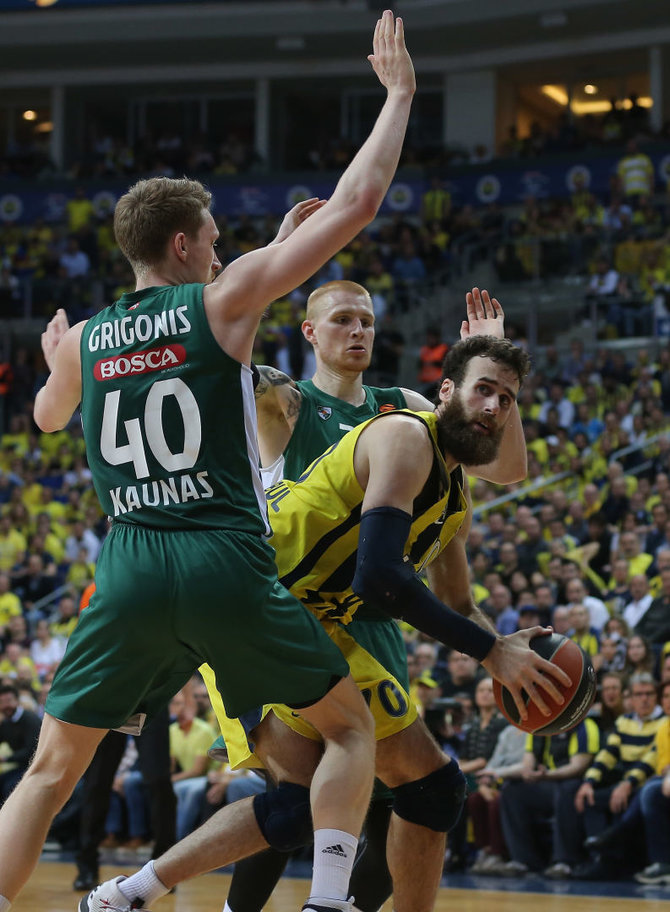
(389, 702)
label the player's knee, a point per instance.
(284, 816)
(435, 801)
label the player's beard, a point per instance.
(460, 439)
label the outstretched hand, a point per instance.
(56, 329)
(485, 316)
(390, 58)
(296, 216)
(519, 667)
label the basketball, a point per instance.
(565, 653)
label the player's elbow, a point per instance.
(363, 206)
(47, 419)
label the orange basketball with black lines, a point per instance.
(579, 697)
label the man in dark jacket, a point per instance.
(19, 729)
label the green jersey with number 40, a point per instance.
(169, 418)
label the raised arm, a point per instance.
(59, 397)
(485, 317)
(239, 296)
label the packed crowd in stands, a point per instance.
(586, 548)
(616, 249)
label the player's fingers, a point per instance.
(479, 307)
(548, 668)
(307, 210)
(375, 38)
(388, 27)
(519, 702)
(536, 697)
(549, 688)
(470, 305)
(400, 32)
(497, 306)
(465, 329)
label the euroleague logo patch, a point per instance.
(387, 407)
(142, 362)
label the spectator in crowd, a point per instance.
(462, 675)
(655, 622)
(630, 549)
(13, 544)
(19, 730)
(624, 764)
(618, 595)
(190, 739)
(635, 172)
(656, 534)
(79, 211)
(479, 742)
(65, 619)
(10, 605)
(531, 546)
(655, 803)
(16, 664)
(635, 612)
(32, 584)
(583, 634)
(611, 700)
(82, 537)
(499, 605)
(557, 400)
(551, 769)
(46, 650)
(431, 356)
(74, 261)
(611, 656)
(483, 805)
(639, 655)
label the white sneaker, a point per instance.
(328, 905)
(108, 898)
(491, 862)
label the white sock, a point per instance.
(334, 854)
(144, 885)
(227, 908)
(5, 904)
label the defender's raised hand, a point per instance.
(390, 59)
(56, 329)
(296, 216)
(485, 316)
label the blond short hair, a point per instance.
(321, 295)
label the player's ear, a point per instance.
(446, 389)
(179, 245)
(308, 330)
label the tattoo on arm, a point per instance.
(294, 403)
(269, 376)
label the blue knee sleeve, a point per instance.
(284, 816)
(435, 801)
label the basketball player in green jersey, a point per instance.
(165, 384)
(297, 421)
